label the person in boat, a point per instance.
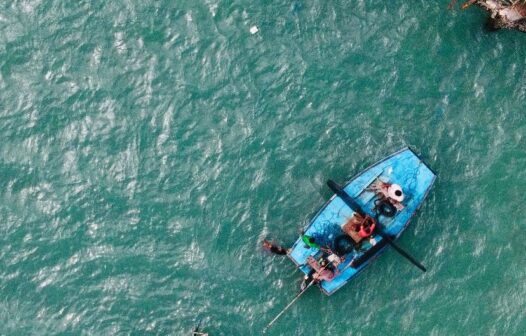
(274, 248)
(335, 259)
(359, 228)
(321, 269)
(390, 192)
(310, 241)
(366, 227)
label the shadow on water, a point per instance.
(491, 25)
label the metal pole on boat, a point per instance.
(287, 307)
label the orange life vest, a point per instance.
(367, 227)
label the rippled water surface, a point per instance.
(147, 147)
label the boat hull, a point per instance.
(404, 168)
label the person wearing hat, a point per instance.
(310, 241)
(396, 195)
(321, 270)
(391, 191)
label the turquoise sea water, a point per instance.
(147, 148)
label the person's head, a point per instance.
(395, 192)
(308, 240)
(266, 244)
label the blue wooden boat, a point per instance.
(385, 197)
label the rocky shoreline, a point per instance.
(504, 14)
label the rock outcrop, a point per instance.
(503, 13)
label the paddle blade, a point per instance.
(401, 251)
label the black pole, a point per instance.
(338, 190)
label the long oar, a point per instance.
(338, 190)
(288, 306)
(401, 251)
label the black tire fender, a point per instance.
(385, 208)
